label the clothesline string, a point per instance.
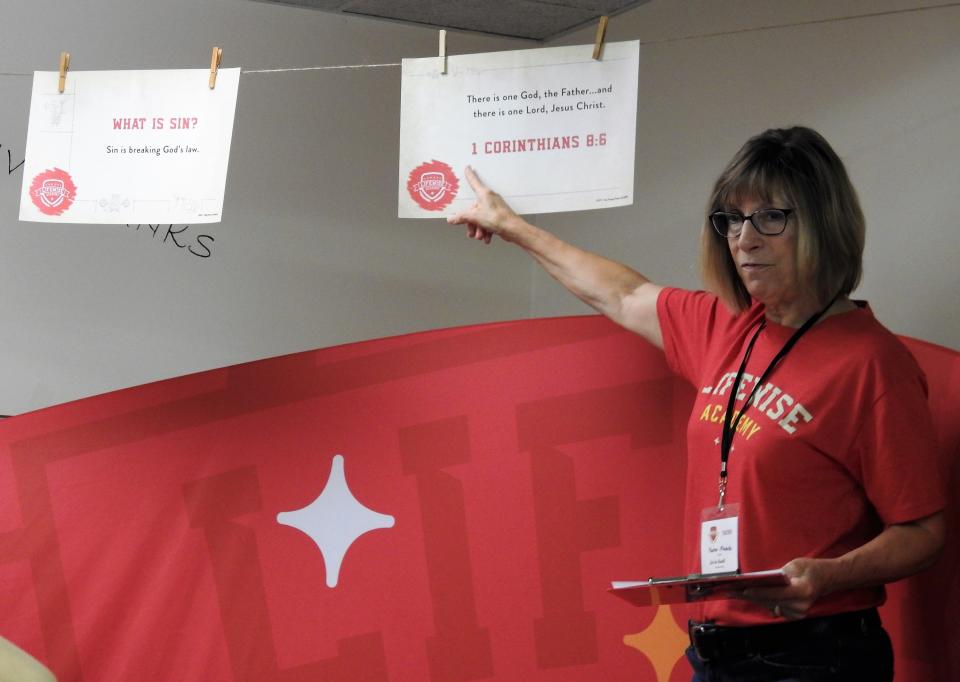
(662, 41)
(319, 68)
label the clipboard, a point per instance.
(695, 587)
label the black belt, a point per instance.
(713, 643)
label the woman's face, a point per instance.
(767, 264)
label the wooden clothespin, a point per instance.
(215, 58)
(64, 66)
(443, 51)
(601, 35)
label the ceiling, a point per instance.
(530, 19)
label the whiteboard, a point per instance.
(309, 252)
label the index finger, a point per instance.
(475, 182)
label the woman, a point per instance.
(810, 443)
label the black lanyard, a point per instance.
(729, 423)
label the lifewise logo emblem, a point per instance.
(433, 185)
(53, 191)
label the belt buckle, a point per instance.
(703, 639)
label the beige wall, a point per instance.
(885, 90)
(310, 254)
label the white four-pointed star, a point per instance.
(335, 520)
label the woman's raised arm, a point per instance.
(619, 292)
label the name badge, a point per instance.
(719, 540)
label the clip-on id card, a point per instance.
(719, 539)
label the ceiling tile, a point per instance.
(532, 19)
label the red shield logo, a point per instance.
(433, 185)
(53, 191)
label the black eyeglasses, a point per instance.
(766, 221)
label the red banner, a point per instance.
(442, 506)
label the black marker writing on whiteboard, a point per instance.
(178, 236)
(10, 166)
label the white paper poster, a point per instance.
(128, 146)
(550, 129)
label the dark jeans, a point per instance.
(807, 654)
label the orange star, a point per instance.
(663, 642)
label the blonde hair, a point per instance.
(797, 166)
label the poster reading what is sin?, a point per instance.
(550, 129)
(128, 146)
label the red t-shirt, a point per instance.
(836, 444)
